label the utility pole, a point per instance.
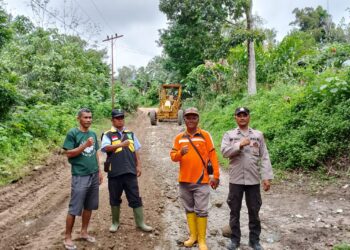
(112, 75)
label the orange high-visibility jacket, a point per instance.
(191, 166)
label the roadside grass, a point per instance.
(14, 168)
(275, 113)
(342, 246)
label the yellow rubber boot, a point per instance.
(192, 225)
(202, 232)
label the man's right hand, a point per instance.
(184, 150)
(244, 142)
(125, 143)
(89, 142)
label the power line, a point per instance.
(57, 18)
(134, 51)
(91, 23)
(101, 15)
(123, 46)
(79, 34)
(83, 10)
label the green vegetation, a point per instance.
(45, 78)
(343, 246)
(303, 82)
(303, 99)
(304, 114)
(304, 90)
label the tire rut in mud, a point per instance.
(33, 210)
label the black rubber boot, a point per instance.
(255, 245)
(233, 245)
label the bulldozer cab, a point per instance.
(169, 104)
(168, 97)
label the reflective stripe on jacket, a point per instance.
(191, 166)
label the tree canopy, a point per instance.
(194, 33)
(319, 23)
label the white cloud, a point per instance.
(140, 20)
(278, 13)
(137, 20)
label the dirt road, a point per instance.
(298, 213)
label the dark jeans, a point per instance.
(253, 202)
(127, 183)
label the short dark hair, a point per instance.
(83, 110)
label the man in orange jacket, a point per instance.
(193, 149)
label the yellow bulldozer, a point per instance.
(169, 105)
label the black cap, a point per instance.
(117, 113)
(242, 110)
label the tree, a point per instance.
(72, 20)
(317, 21)
(205, 30)
(194, 33)
(270, 35)
(239, 9)
(126, 75)
(251, 51)
(49, 67)
(5, 30)
(157, 70)
(22, 25)
(345, 27)
(39, 9)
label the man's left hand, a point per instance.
(138, 171)
(214, 183)
(266, 185)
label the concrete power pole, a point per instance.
(112, 74)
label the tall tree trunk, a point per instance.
(251, 53)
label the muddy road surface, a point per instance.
(298, 213)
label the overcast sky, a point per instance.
(140, 20)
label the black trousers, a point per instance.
(127, 183)
(253, 202)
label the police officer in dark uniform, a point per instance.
(123, 167)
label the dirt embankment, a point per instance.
(296, 214)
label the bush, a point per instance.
(207, 81)
(8, 97)
(128, 98)
(303, 128)
(30, 133)
(152, 94)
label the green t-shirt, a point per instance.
(86, 162)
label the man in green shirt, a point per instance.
(81, 149)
